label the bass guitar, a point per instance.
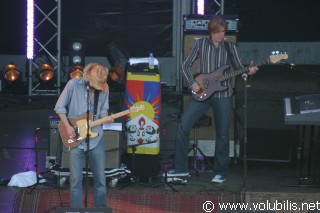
(80, 126)
(211, 82)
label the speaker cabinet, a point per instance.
(114, 145)
(272, 145)
(114, 148)
(54, 142)
(188, 41)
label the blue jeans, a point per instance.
(194, 110)
(97, 166)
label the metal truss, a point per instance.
(217, 6)
(47, 41)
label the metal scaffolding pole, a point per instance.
(51, 19)
(218, 7)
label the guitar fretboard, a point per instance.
(242, 70)
(103, 120)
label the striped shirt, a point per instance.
(211, 58)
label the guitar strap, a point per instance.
(96, 98)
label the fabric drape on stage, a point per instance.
(143, 127)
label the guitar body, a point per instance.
(209, 83)
(80, 126)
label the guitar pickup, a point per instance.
(78, 138)
(72, 140)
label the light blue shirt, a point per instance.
(73, 103)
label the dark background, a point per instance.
(143, 26)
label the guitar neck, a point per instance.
(241, 70)
(103, 120)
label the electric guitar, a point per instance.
(211, 82)
(80, 126)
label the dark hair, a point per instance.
(216, 23)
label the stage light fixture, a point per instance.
(11, 72)
(76, 53)
(76, 72)
(45, 72)
(77, 46)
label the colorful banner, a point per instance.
(143, 127)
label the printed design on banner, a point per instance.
(143, 127)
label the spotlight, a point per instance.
(44, 69)
(11, 72)
(76, 53)
(76, 72)
(45, 72)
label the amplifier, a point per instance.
(54, 137)
(199, 23)
(115, 144)
(54, 121)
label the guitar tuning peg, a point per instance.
(273, 52)
(277, 52)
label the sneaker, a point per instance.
(218, 179)
(176, 173)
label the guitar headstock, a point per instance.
(277, 56)
(137, 108)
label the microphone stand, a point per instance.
(245, 123)
(133, 147)
(165, 164)
(36, 140)
(36, 149)
(87, 151)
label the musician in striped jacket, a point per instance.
(214, 53)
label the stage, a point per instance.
(270, 172)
